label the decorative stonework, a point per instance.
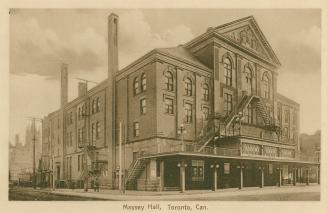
(246, 38)
(270, 151)
(251, 149)
(287, 153)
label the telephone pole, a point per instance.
(33, 119)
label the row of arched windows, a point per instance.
(188, 85)
(136, 84)
(228, 78)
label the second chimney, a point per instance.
(112, 45)
(64, 85)
(82, 89)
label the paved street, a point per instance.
(287, 193)
(24, 194)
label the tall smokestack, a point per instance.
(64, 85)
(112, 45)
(112, 70)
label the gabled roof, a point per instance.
(251, 30)
(286, 100)
(243, 33)
(182, 53)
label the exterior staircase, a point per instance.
(262, 111)
(133, 172)
(87, 170)
(245, 101)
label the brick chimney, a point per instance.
(112, 45)
(82, 89)
(64, 85)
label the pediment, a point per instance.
(247, 34)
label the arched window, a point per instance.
(248, 79)
(227, 71)
(205, 92)
(169, 81)
(136, 86)
(266, 86)
(143, 82)
(188, 86)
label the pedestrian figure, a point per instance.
(96, 183)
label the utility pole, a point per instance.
(125, 140)
(120, 165)
(34, 139)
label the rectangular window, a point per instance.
(80, 136)
(287, 116)
(197, 170)
(136, 129)
(294, 118)
(83, 135)
(205, 111)
(226, 168)
(98, 130)
(169, 106)
(188, 112)
(93, 132)
(71, 138)
(98, 104)
(143, 106)
(71, 118)
(279, 112)
(228, 102)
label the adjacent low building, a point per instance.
(202, 115)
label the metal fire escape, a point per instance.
(133, 172)
(227, 120)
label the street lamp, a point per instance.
(181, 130)
(239, 118)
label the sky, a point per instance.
(42, 39)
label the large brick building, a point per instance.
(201, 115)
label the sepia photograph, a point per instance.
(192, 104)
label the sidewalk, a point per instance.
(190, 194)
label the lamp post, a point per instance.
(241, 167)
(182, 167)
(215, 175)
(181, 130)
(239, 118)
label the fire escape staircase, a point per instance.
(210, 133)
(133, 172)
(87, 169)
(206, 137)
(245, 101)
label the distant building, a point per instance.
(201, 115)
(21, 155)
